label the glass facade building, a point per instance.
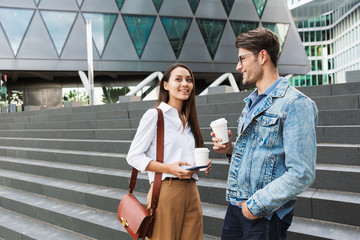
(331, 40)
(43, 42)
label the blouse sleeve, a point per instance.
(144, 136)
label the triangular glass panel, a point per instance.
(102, 25)
(37, 2)
(211, 30)
(58, 25)
(176, 30)
(79, 2)
(260, 5)
(15, 23)
(119, 3)
(228, 4)
(139, 27)
(157, 4)
(280, 29)
(242, 26)
(194, 5)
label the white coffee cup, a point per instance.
(201, 156)
(219, 127)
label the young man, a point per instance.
(273, 158)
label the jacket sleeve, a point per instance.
(144, 137)
(299, 139)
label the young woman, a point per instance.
(179, 214)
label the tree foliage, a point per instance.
(115, 93)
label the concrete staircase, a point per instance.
(63, 171)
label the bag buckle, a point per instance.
(123, 222)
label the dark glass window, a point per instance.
(211, 30)
(139, 27)
(319, 65)
(242, 27)
(193, 5)
(119, 3)
(157, 4)
(280, 29)
(176, 30)
(314, 81)
(102, 25)
(15, 23)
(228, 4)
(259, 5)
(59, 25)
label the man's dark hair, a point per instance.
(259, 39)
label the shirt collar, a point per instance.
(165, 107)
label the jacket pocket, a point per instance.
(267, 130)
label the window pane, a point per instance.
(176, 30)
(193, 5)
(259, 4)
(119, 3)
(102, 25)
(228, 4)
(157, 4)
(139, 28)
(242, 27)
(211, 31)
(15, 23)
(58, 25)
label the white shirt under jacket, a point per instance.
(178, 144)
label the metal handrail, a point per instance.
(219, 80)
(144, 82)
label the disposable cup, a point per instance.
(201, 157)
(219, 127)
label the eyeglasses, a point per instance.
(241, 58)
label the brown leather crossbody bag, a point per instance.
(135, 218)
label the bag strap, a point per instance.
(159, 158)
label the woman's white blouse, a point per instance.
(178, 144)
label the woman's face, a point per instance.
(180, 85)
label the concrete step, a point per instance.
(328, 176)
(338, 134)
(347, 134)
(16, 226)
(101, 134)
(88, 221)
(326, 118)
(100, 197)
(325, 134)
(16, 173)
(112, 146)
(339, 117)
(337, 177)
(103, 176)
(311, 229)
(89, 124)
(323, 205)
(96, 159)
(345, 154)
(103, 198)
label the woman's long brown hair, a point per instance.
(189, 106)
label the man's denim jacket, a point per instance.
(274, 156)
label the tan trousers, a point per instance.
(178, 215)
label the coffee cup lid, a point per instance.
(218, 122)
(201, 150)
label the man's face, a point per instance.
(249, 66)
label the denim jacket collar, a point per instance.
(279, 91)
